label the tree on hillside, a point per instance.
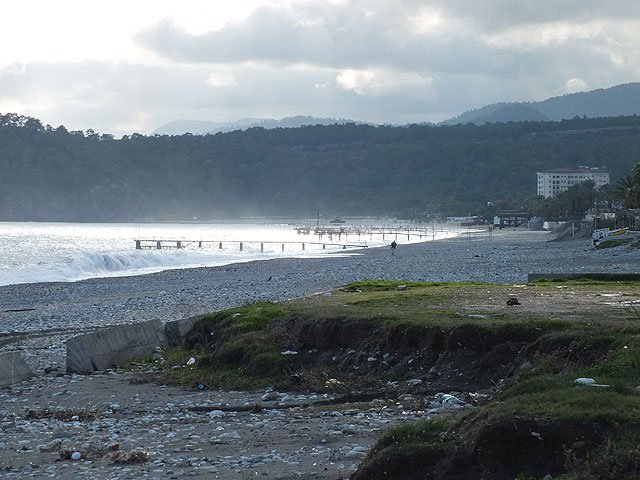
(577, 199)
(571, 204)
(52, 174)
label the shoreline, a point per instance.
(53, 312)
(104, 250)
(226, 440)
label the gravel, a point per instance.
(47, 314)
(152, 431)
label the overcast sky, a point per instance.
(131, 66)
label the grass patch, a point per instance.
(232, 349)
(617, 457)
(243, 346)
(613, 242)
(423, 439)
(559, 398)
(430, 431)
(235, 321)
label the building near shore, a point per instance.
(555, 181)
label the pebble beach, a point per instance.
(179, 441)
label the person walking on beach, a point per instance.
(393, 247)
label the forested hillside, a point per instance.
(52, 174)
(614, 101)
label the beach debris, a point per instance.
(414, 382)
(443, 402)
(191, 361)
(289, 352)
(513, 301)
(589, 382)
(269, 396)
(471, 315)
(402, 287)
(585, 381)
(536, 435)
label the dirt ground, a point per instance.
(121, 428)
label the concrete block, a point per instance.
(176, 330)
(13, 369)
(114, 346)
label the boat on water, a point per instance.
(337, 221)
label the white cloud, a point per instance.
(427, 20)
(544, 35)
(574, 85)
(218, 79)
(376, 82)
(355, 80)
(136, 65)
(77, 30)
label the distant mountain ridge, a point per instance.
(615, 101)
(203, 127)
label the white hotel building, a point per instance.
(553, 182)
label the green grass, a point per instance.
(423, 438)
(424, 431)
(614, 242)
(232, 349)
(246, 343)
(599, 338)
(603, 344)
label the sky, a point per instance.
(123, 67)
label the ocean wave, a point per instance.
(100, 264)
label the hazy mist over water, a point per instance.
(61, 252)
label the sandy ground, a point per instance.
(226, 440)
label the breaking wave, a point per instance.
(97, 264)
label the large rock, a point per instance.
(13, 369)
(114, 346)
(176, 330)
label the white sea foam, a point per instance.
(85, 265)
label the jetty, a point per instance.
(344, 237)
(162, 244)
(395, 233)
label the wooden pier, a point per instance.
(395, 233)
(163, 244)
(336, 236)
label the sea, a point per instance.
(33, 252)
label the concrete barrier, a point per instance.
(114, 346)
(607, 277)
(13, 369)
(176, 330)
